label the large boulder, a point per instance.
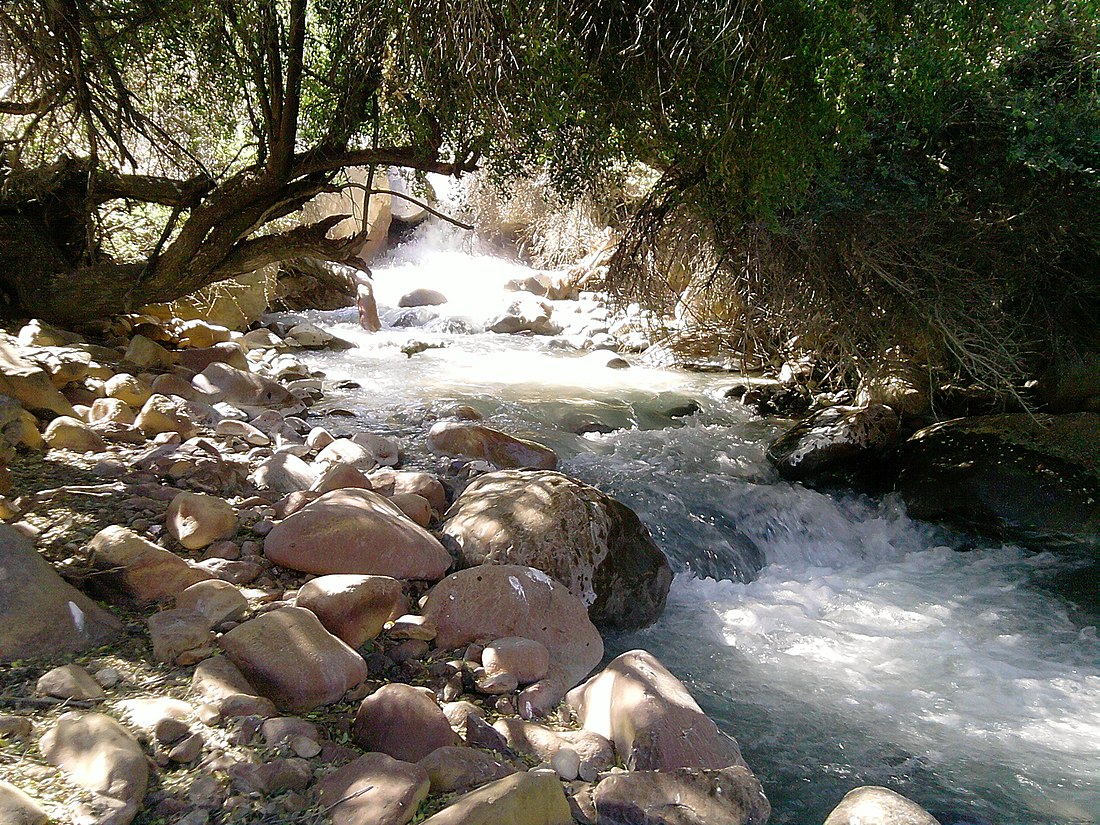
(489, 602)
(402, 721)
(836, 439)
(688, 796)
(221, 382)
(97, 753)
(351, 607)
(375, 789)
(145, 571)
(461, 439)
(30, 384)
(534, 798)
(591, 543)
(650, 716)
(39, 611)
(289, 657)
(1017, 477)
(871, 805)
(356, 531)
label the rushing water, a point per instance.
(841, 642)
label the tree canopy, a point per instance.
(850, 169)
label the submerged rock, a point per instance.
(1018, 477)
(464, 440)
(580, 536)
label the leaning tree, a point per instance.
(152, 147)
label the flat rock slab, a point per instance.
(533, 798)
(591, 543)
(688, 796)
(289, 657)
(492, 601)
(143, 570)
(39, 610)
(872, 805)
(97, 753)
(650, 716)
(356, 531)
(476, 441)
(375, 789)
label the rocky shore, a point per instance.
(216, 606)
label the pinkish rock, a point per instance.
(464, 440)
(97, 753)
(340, 476)
(69, 682)
(356, 531)
(402, 721)
(732, 796)
(415, 507)
(525, 659)
(289, 657)
(389, 482)
(217, 601)
(180, 636)
(147, 572)
(456, 768)
(221, 382)
(493, 601)
(197, 519)
(352, 607)
(375, 789)
(650, 716)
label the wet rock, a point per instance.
(455, 768)
(651, 718)
(493, 601)
(872, 805)
(97, 753)
(525, 659)
(65, 433)
(535, 798)
(580, 536)
(543, 743)
(475, 441)
(289, 657)
(402, 721)
(835, 439)
(352, 607)
(180, 636)
(1018, 477)
(145, 571)
(686, 796)
(356, 531)
(373, 790)
(221, 382)
(196, 520)
(40, 611)
(69, 682)
(422, 298)
(16, 808)
(217, 601)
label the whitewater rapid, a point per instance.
(839, 641)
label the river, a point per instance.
(839, 641)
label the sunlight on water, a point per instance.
(841, 642)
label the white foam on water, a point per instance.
(863, 651)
